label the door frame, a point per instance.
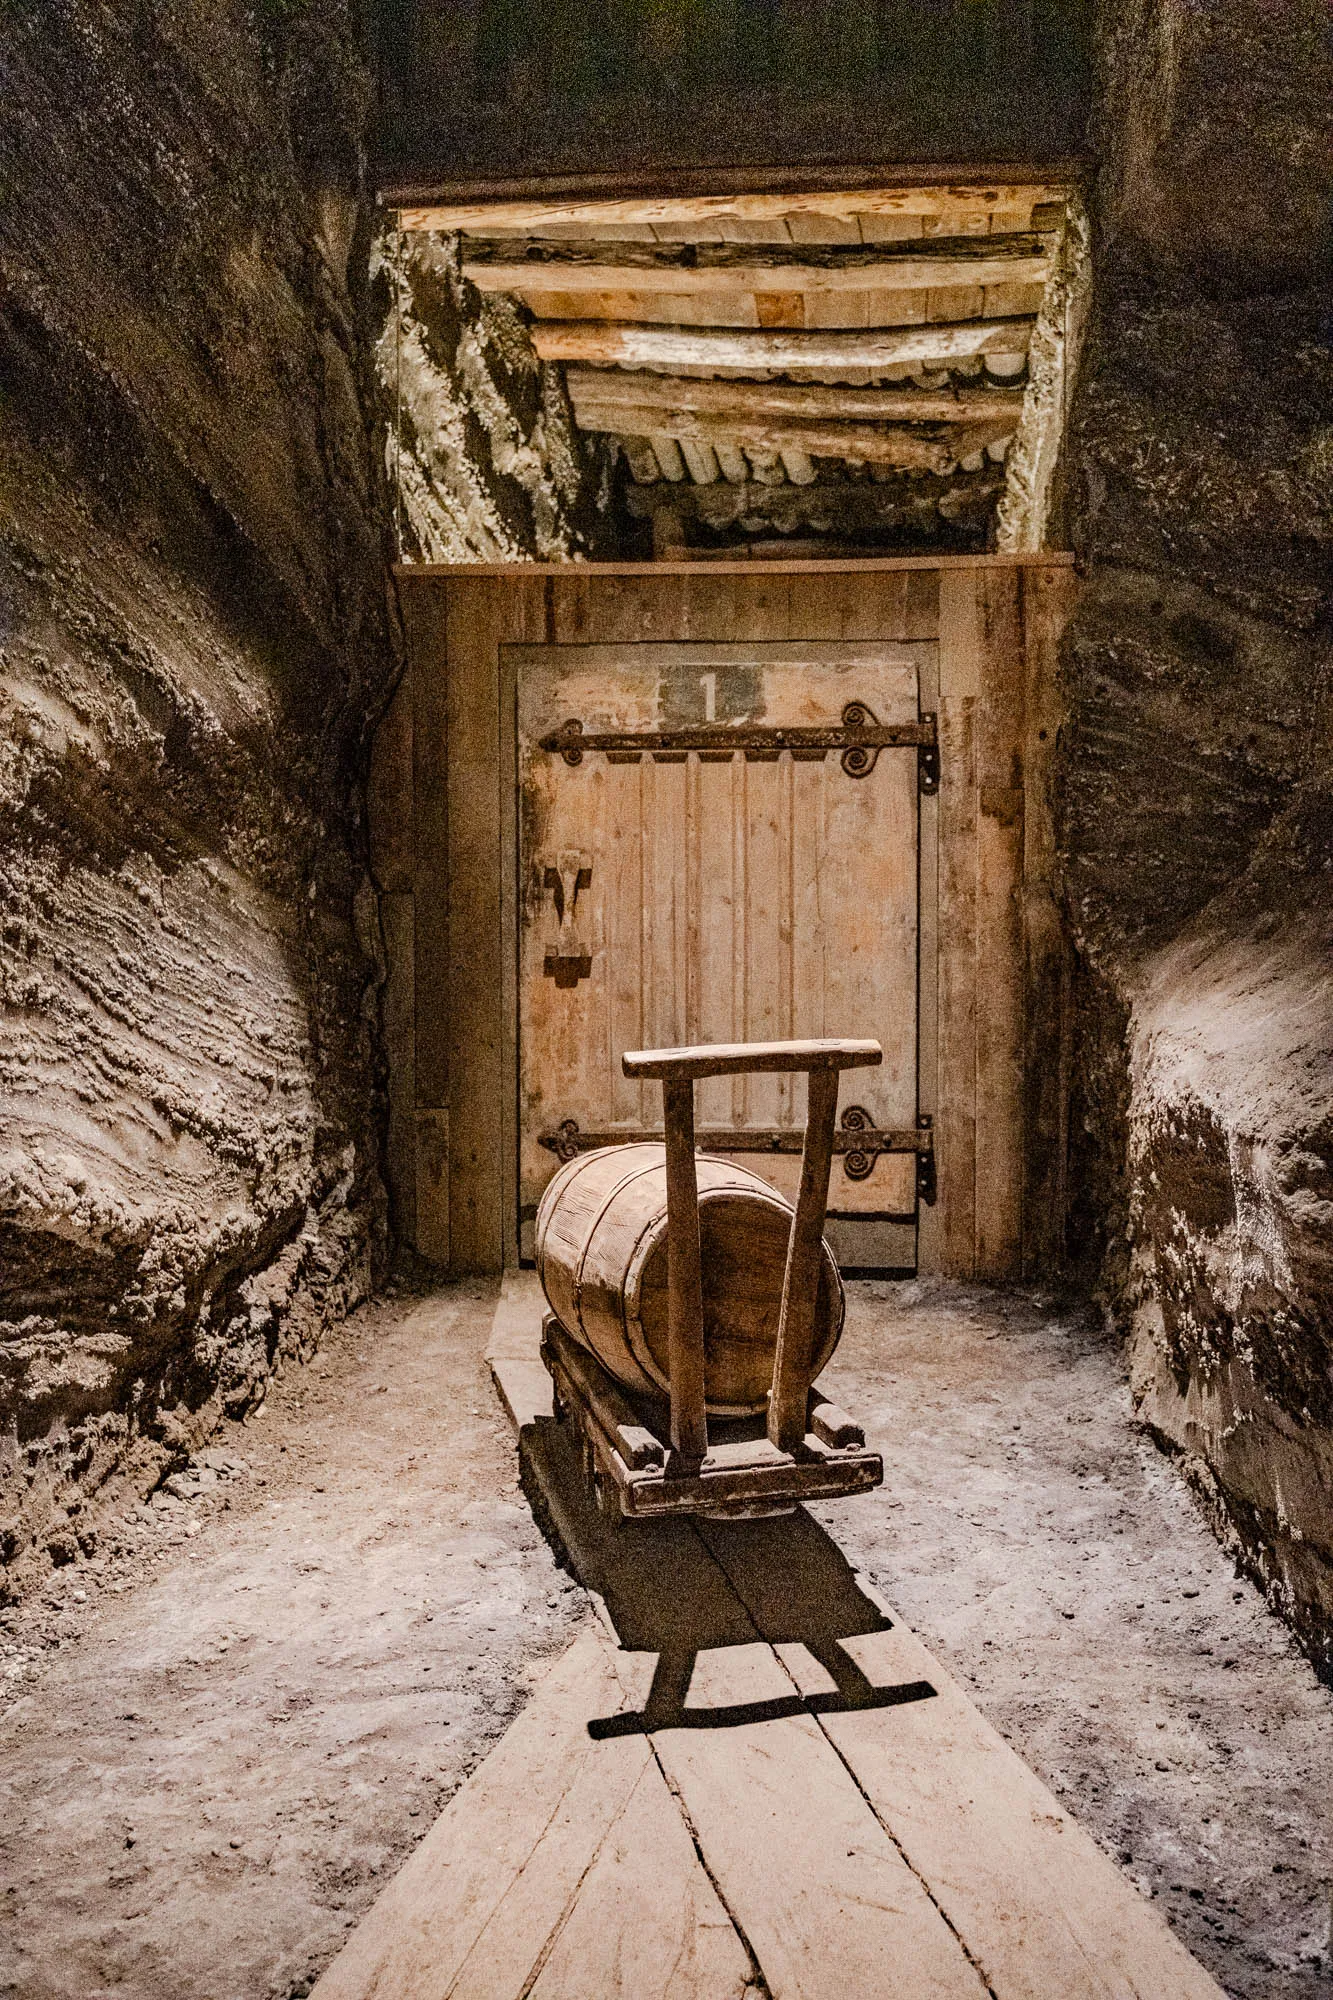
(443, 821)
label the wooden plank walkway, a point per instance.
(746, 1778)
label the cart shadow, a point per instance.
(679, 1589)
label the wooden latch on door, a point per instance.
(566, 879)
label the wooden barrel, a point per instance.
(602, 1258)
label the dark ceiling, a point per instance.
(511, 90)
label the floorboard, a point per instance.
(748, 1777)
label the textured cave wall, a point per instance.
(193, 631)
(483, 455)
(1197, 777)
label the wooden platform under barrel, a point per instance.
(685, 1291)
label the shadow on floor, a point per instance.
(679, 1589)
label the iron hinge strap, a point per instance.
(859, 1143)
(859, 738)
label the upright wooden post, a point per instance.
(792, 1361)
(678, 1070)
(685, 1298)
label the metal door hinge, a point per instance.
(926, 1181)
(859, 1142)
(928, 760)
(859, 737)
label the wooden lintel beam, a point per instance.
(748, 268)
(956, 198)
(874, 444)
(605, 389)
(644, 346)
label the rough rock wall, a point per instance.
(483, 454)
(193, 630)
(1198, 779)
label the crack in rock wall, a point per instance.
(193, 634)
(482, 450)
(1197, 783)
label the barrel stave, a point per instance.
(602, 1258)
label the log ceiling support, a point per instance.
(863, 506)
(531, 215)
(607, 389)
(872, 444)
(830, 299)
(725, 268)
(642, 346)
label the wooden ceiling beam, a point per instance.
(956, 198)
(640, 346)
(609, 389)
(748, 267)
(874, 444)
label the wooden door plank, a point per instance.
(473, 1909)
(929, 1081)
(597, 820)
(621, 614)
(850, 607)
(398, 919)
(572, 594)
(866, 914)
(718, 906)
(482, 615)
(647, 1924)
(765, 1019)
(961, 666)
(999, 962)
(737, 608)
(922, 611)
(425, 612)
(664, 913)
(626, 968)
(390, 811)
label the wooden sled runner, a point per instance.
(652, 1454)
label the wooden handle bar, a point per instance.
(749, 1059)
(679, 1070)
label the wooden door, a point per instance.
(673, 895)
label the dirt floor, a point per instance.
(1052, 1556)
(222, 1738)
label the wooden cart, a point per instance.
(806, 1448)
